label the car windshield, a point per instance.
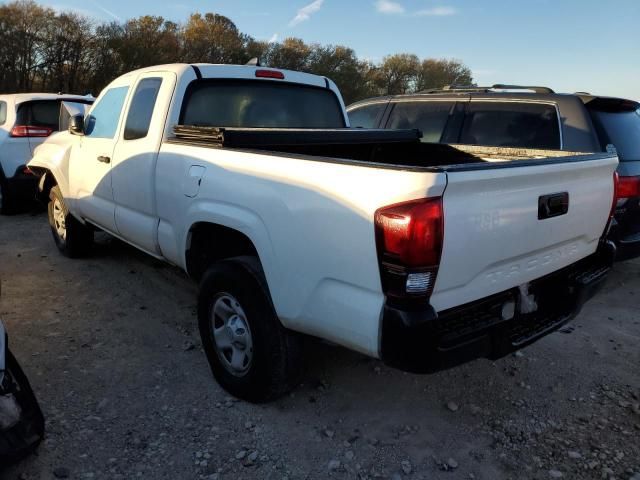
(620, 128)
(256, 104)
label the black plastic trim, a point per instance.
(426, 342)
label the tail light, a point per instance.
(270, 74)
(30, 131)
(409, 239)
(628, 187)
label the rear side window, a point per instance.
(511, 124)
(141, 109)
(255, 104)
(103, 120)
(620, 128)
(366, 116)
(3, 112)
(429, 117)
(39, 113)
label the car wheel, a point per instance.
(251, 354)
(72, 238)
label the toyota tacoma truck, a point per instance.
(250, 179)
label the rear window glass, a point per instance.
(3, 112)
(521, 125)
(255, 104)
(429, 117)
(39, 113)
(621, 129)
(366, 116)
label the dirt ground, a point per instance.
(111, 347)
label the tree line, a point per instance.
(47, 50)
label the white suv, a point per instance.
(25, 121)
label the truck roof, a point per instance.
(213, 71)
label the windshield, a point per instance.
(261, 104)
(620, 128)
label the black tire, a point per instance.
(276, 363)
(72, 238)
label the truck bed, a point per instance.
(392, 148)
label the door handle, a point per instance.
(104, 159)
(553, 205)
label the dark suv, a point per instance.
(527, 117)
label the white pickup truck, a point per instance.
(250, 180)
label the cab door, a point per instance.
(90, 160)
(134, 160)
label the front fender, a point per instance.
(53, 155)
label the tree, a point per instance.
(291, 54)
(104, 63)
(42, 49)
(397, 74)
(212, 38)
(343, 67)
(22, 24)
(436, 73)
(65, 52)
(148, 40)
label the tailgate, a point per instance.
(494, 239)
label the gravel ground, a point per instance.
(110, 344)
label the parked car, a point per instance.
(26, 120)
(21, 420)
(526, 117)
(423, 255)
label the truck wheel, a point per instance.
(72, 238)
(251, 354)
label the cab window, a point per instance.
(141, 109)
(102, 121)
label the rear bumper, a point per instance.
(625, 230)
(422, 342)
(22, 187)
(628, 247)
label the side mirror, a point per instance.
(76, 125)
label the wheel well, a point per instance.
(209, 242)
(47, 182)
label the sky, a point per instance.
(568, 45)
